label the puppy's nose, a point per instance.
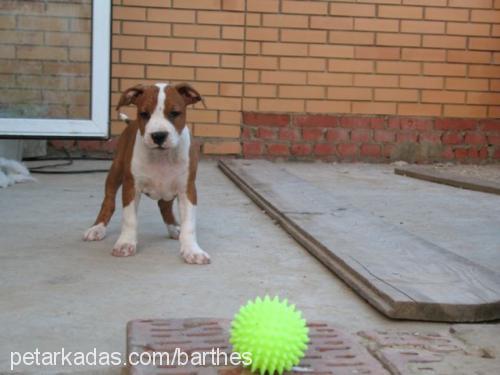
(159, 137)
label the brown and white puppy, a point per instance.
(154, 156)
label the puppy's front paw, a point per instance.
(173, 231)
(95, 233)
(124, 249)
(194, 255)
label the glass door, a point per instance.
(54, 68)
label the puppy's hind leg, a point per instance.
(113, 181)
(167, 213)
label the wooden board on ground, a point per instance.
(400, 274)
(429, 173)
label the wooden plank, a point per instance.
(400, 274)
(441, 177)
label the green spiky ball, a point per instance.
(273, 332)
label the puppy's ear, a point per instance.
(190, 95)
(130, 96)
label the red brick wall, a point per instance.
(369, 138)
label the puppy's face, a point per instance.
(161, 112)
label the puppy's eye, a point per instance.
(145, 115)
(174, 114)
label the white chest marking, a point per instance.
(161, 174)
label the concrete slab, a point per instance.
(58, 291)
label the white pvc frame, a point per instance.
(98, 125)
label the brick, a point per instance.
(327, 50)
(423, 54)
(42, 53)
(412, 123)
(194, 59)
(407, 136)
(332, 23)
(285, 20)
(322, 121)
(437, 96)
(128, 42)
(354, 122)
(197, 31)
(469, 57)
(283, 77)
(231, 104)
(302, 63)
(145, 57)
(146, 28)
(309, 134)
(382, 108)
(374, 24)
(351, 66)
(219, 46)
(171, 15)
(468, 29)
(452, 138)
(384, 136)
(262, 33)
(324, 149)
(328, 106)
(377, 53)
(223, 75)
(21, 37)
(484, 71)
(361, 135)
(232, 61)
(370, 150)
(349, 93)
(350, 9)
(169, 72)
(304, 36)
(375, 80)
(421, 82)
(446, 14)
(488, 44)
(127, 70)
(231, 89)
(300, 149)
(422, 27)
(261, 62)
(222, 148)
(34, 23)
(441, 41)
(415, 109)
(490, 126)
(306, 92)
(202, 116)
(347, 150)
(266, 133)
(67, 39)
(220, 131)
(278, 149)
(432, 69)
(285, 134)
(252, 148)
(390, 39)
(455, 124)
(233, 5)
(401, 12)
(229, 117)
(265, 119)
(281, 105)
(200, 4)
(284, 49)
(8, 52)
(351, 37)
(430, 137)
(337, 135)
(475, 138)
(396, 95)
(466, 84)
(9, 22)
(260, 91)
(471, 3)
(129, 13)
(483, 98)
(485, 16)
(398, 67)
(148, 3)
(270, 6)
(453, 110)
(233, 32)
(170, 44)
(335, 79)
(220, 18)
(304, 7)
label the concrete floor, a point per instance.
(58, 291)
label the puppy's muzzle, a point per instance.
(159, 137)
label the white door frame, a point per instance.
(98, 125)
